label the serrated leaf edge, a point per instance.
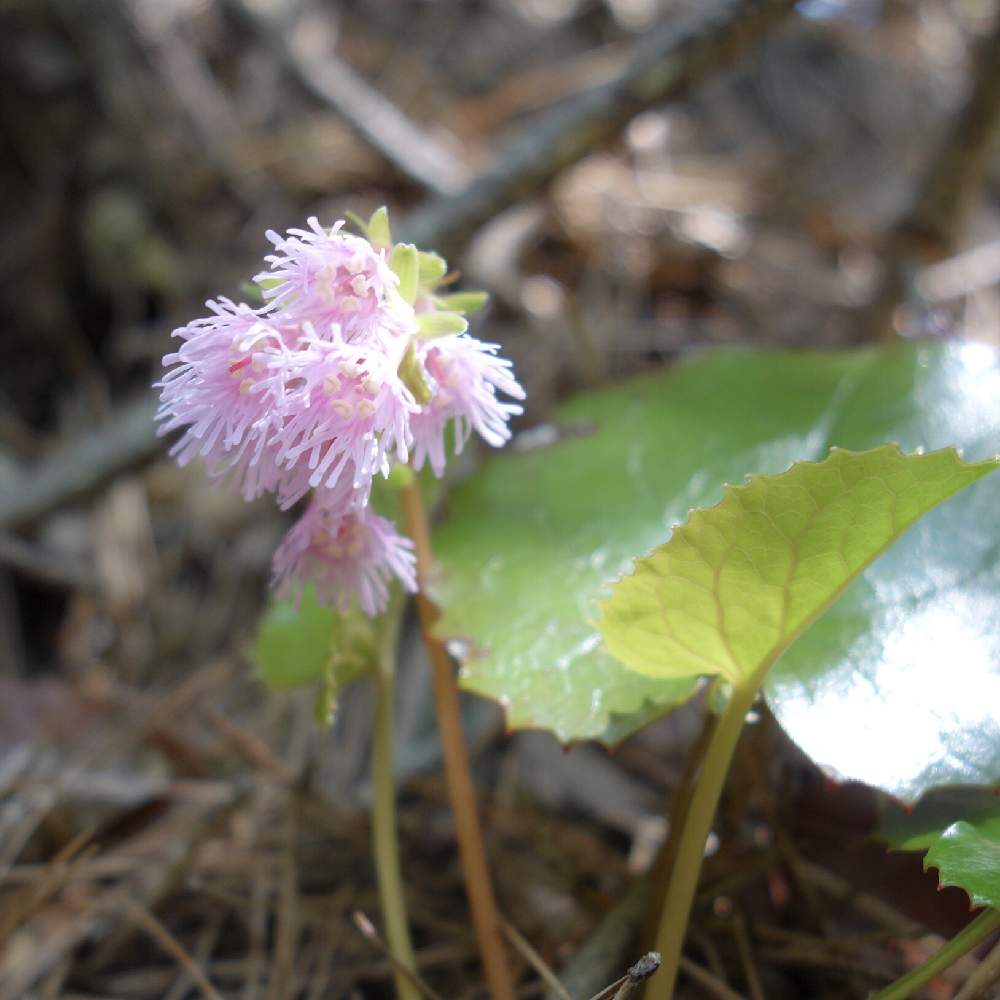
(975, 900)
(733, 490)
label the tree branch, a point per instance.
(403, 142)
(664, 67)
(928, 230)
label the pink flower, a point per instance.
(228, 392)
(464, 376)
(336, 281)
(325, 386)
(347, 418)
(345, 556)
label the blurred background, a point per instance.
(632, 180)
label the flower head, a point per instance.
(227, 391)
(464, 376)
(349, 415)
(332, 381)
(346, 556)
(335, 280)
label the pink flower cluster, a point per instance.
(328, 384)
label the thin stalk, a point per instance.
(985, 976)
(697, 826)
(964, 941)
(659, 876)
(458, 775)
(386, 844)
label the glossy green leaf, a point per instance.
(530, 542)
(897, 685)
(307, 643)
(462, 302)
(915, 828)
(441, 324)
(737, 583)
(293, 642)
(968, 855)
(403, 262)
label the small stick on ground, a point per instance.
(172, 947)
(534, 960)
(367, 929)
(712, 984)
(746, 956)
(622, 988)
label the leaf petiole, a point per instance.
(385, 842)
(697, 826)
(963, 942)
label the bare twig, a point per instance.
(171, 946)
(746, 956)
(711, 983)
(48, 881)
(404, 143)
(535, 960)
(54, 569)
(203, 951)
(622, 988)
(667, 65)
(367, 929)
(927, 231)
(38, 944)
(865, 903)
(606, 950)
(183, 72)
(82, 465)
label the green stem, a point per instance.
(964, 941)
(680, 802)
(386, 845)
(697, 826)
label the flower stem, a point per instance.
(680, 803)
(386, 845)
(964, 941)
(697, 826)
(458, 776)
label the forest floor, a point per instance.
(169, 829)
